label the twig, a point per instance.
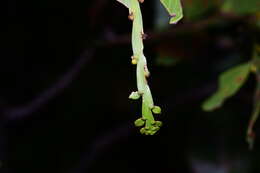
(21, 111)
(102, 144)
(173, 31)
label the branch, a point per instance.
(175, 30)
(21, 111)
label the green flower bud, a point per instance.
(152, 132)
(155, 128)
(153, 122)
(139, 122)
(134, 95)
(134, 61)
(158, 123)
(142, 131)
(156, 110)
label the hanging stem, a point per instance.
(142, 73)
(256, 110)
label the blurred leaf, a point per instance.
(258, 19)
(166, 61)
(161, 16)
(229, 83)
(241, 6)
(197, 9)
(174, 8)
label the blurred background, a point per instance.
(66, 75)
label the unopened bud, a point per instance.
(139, 122)
(134, 95)
(146, 71)
(134, 60)
(156, 110)
(158, 123)
(142, 131)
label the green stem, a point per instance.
(142, 72)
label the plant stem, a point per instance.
(142, 71)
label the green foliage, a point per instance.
(125, 2)
(166, 61)
(174, 8)
(197, 9)
(229, 83)
(241, 6)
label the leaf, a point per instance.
(199, 9)
(166, 60)
(241, 6)
(174, 8)
(125, 3)
(230, 82)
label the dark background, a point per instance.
(66, 75)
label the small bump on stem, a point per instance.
(139, 122)
(142, 130)
(134, 95)
(173, 15)
(156, 110)
(146, 71)
(144, 36)
(134, 60)
(131, 16)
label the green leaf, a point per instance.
(230, 82)
(174, 8)
(241, 6)
(199, 9)
(166, 61)
(125, 3)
